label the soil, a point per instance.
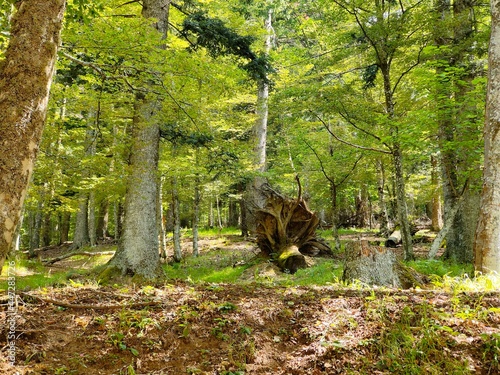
(248, 328)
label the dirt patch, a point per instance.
(231, 329)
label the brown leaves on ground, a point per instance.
(252, 329)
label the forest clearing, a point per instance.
(228, 312)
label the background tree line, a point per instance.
(379, 108)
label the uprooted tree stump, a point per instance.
(377, 265)
(286, 230)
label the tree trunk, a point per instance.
(92, 220)
(25, 78)
(335, 215)
(486, 245)
(436, 211)
(160, 220)
(375, 265)
(383, 216)
(177, 221)
(254, 201)
(402, 210)
(64, 225)
(35, 230)
(137, 252)
(102, 219)
(196, 214)
(81, 237)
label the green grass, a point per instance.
(213, 232)
(324, 272)
(441, 268)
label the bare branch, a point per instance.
(349, 143)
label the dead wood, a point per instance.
(376, 265)
(74, 253)
(286, 229)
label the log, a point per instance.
(75, 253)
(376, 265)
(394, 239)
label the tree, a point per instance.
(25, 78)
(486, 245)
(138, 250)
(459, 48)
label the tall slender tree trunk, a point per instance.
(383, 215)
(34, 242)
(25, 78)
(81, 236)
(161, 222)
(486, 244)
(254, 198)
(335, 215)
(196, 214)
(436, 211)
(177, 221)
(397, 157)
(64, 225)
(103, 219)
(92, 219)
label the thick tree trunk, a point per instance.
(137, 252)
(335, 215)
(375, 265)
(486, 245)
(25, 78)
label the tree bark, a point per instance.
(137, 252)
(436, 211)
(161, 224)
(177, 221)
(486, 245)
(375, 265)
(25, 79)
(81, 236)
(196, 214)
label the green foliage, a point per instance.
(415, 341)
(440, 268)
(220, 40)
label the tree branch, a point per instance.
(349, 143)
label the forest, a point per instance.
(249, 187)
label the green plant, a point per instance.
(415, 341)
(491, 352)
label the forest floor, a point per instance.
(262, 324)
